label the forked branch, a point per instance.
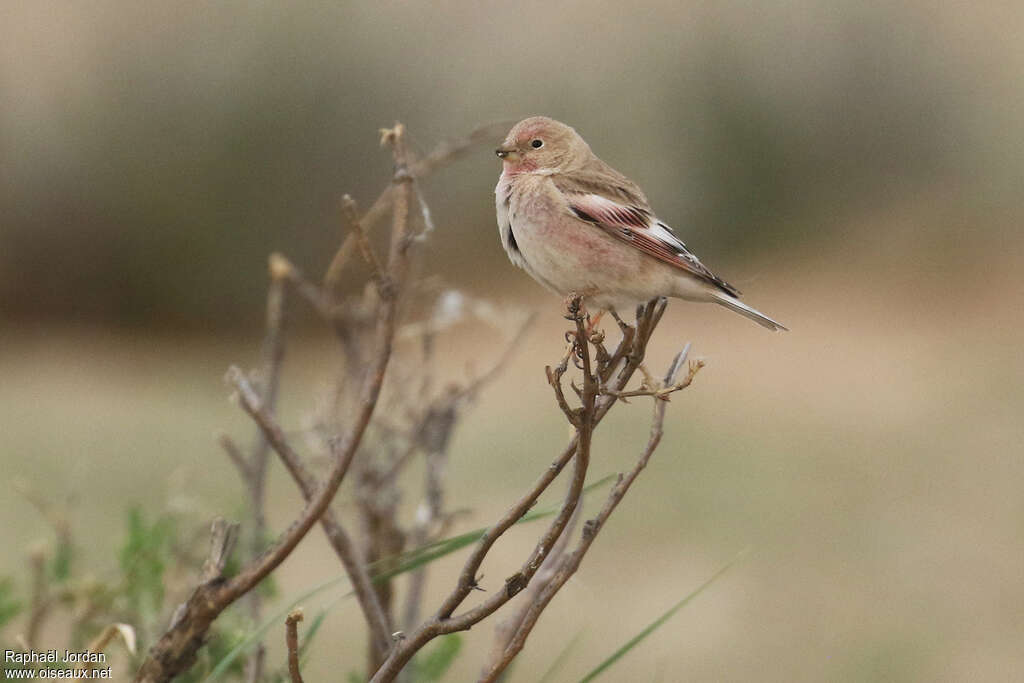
(600, 369)
(176, 649)
(368, 333)
(344, 547)
(566, 565)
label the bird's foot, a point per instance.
(574, 307)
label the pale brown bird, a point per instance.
(578, 226)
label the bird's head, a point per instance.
(541, 144)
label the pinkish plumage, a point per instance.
(577, 225)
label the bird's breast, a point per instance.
(541, 236)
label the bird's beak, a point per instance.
(507, 154)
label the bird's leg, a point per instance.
(575, 306)
(574, 310)
(593, 323)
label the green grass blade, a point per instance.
(653, 626)
(406, 562)
(559, 662)
(431, 666)
(254, 637)
(311, 632)
(413, 559)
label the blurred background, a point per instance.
(855, 168)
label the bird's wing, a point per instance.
(627, 217)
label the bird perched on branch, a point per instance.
(579, 227)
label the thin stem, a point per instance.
(444, 621)
(569, 563)
(273, 356)
(615, 372)
(176, 649)
(291, 641)
(344, 547)
(442, 155)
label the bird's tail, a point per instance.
(734, 304)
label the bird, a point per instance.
(581, 228)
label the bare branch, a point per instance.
(455, 397)
(252, 469)
(236, 456)
(39, 604)
(444, 621)
(506, 629)
(612, 370)
(273, 348)
(351, 213)
(555, 380)
(223, 535)
(307, 290)
(176, 649)
(442, 155)
(344, 547)
(660, 390)
(367, 328)
(513, 345)
(434, 438)
(291, 641)
(568, 564)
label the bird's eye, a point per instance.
(537, 144)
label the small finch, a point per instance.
(578, 226)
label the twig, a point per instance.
(383, 539)
(427, 514)
(236, 456)
(555, 380)
(351, 213)
(568, 564)
(307, 289)
(273, 355)
(431, 434)
(456, 397)
(450, 150)
(491, 373)
(658, 390)
(223, 535)
(291, 641)
(376, 498)
(444, 154)
(649, 314)
(344, 547)
(176, 648)
(444, 621)
(614, 372)
(39, 603)
(42, 600)
(434, 438)
(506, 629)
